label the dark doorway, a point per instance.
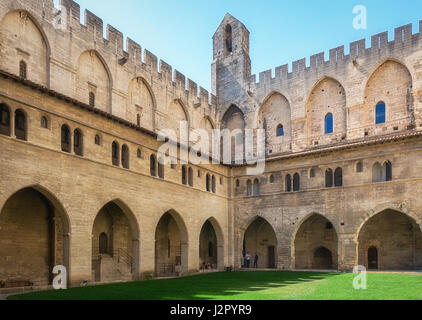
(323, 259)
(103, 243)
(271, 257)
(373, 258)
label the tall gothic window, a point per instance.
(380, 113)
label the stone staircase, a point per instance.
(108, 269)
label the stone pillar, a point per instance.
(347, 252)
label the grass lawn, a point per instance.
(248, 286)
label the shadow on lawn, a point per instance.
(199, 287)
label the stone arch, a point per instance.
(396, 93)
(121, 259)
(171, 245)
(142, 102)
(177, 112)
(234, 121)
(94, 76)
(398, 240)
(313, 232)
(25, 40)
(275, 110)
(260, 237)
(327, 96)
(208, 125)
(37, 213)
(218, 257)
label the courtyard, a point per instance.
(259, 285)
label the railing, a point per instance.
(122, 256)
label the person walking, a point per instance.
(255, 261)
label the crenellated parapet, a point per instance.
(123, 60)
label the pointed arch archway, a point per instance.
(315, 244)
(390, 240)
(115, 243)
(211, 245)
(171, 245)
(260, 240)
(37, 214)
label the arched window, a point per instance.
(92, 99)
(296, 182)
(208, 183)
(237, 183)
(161, 168)
(213, 184)
(153, 166)
(328, 178)
(65, 138)
(359, 167)
(376, 173)
(97, 140)
(190, 177)
(125, 156)
(103, 243)
(338, 177)
(388, 171)
(78, 142)
(380, 113)
(272, 179)
(139, 153)
(115, 153)
(4, 120)
(329, 123)
(256, 187)
(23, 73)
(288, 183)
(138, 120)
(20, 125)
(280, 131)
(312, 173)
(229, 39)
(184, 175)
(249, 187)
(44, 123)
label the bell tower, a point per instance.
(231, 62)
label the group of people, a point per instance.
(246, 261)
(206, 266)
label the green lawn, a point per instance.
(248, 286)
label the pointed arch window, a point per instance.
(44, 122)
(97, 140)
(115, 151)
(184, 175)
(249, 188)
(4, 120)
(229, 39)
(296, 182)
(190, 177)
(65, 138)
(380, 113)
(208, 183)
(329, 123)
(92, 99)
(213, 184)
(338, 177)
(288, 183)
(78, 142)
(256, 187)
(160, 168)
(153, 165)
(328, 178)
(20, 125)
(388, 171)
(125, 156)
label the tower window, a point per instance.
(65, 138)
(329, 125)
(97, 140)
(296, 182)
(23, 69)
(328, 178)
(153, 166)
(115, 153)
(78, 142)
(338, 177)
(380, 113)
(359, 167)
(288, 183)
(138, 120)
(4, 120)
(20, 125)
(44, 123)
(139, 154)
(229, 39)
(256, 187)
(125, 156)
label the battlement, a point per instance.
(133, 57)
(403, 40)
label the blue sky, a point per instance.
(180, 31)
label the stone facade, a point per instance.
(80, 184)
